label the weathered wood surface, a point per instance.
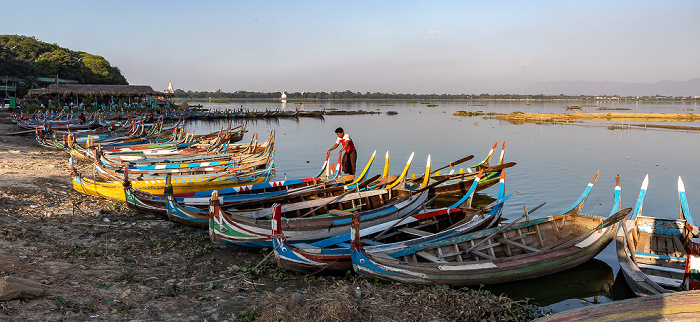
(679, 306)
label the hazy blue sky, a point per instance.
(377, 46)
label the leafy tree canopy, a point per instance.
(23, 56)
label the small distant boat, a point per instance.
(652, 251)
(575, 107)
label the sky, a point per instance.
(420, 47)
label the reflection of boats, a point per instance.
(652, 251)
(591, 278)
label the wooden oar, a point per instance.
(485, 169)
(525, 214)
(462, 160)
(357, 188)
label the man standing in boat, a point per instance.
(350, 157)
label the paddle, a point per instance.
(357, 188)
(525, 214)
(462, 160)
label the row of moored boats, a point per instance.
(380, 226)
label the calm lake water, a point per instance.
(554, 163)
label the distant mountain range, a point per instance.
(664, 88)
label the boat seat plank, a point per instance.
(565, 239)
(665, 281)
(480, 254)
(520, 245)
(648, 255)
(661, 268)
(416, 232)
(430, 257)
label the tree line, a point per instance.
(243, 95)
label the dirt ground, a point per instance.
(98, 260)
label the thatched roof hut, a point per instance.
(84, 90)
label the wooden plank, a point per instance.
(506, 247)
(657, 256)
(662, 268)
(431, 258)
(555, 228)
(480, 254)
(562, 241)
(679, 250)
(665, 281)
(654, 244)
(416, 232)
(516, 244)
(539, 235)
(643, 242)
(339, 212)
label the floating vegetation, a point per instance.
(477, 113)
(411, 102)
(432, 105)
(386, 104)
(605, 108)
(331, 109)
(424, 102)
(392, 112)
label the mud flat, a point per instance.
(520, 117)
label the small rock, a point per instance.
(298, 298)
(279, 290)
(126, 293)
(19, 288)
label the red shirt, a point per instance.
(341, 142)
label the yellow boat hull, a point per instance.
(115, 189)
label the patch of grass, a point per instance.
(79, 250)
(248, 315)
(129, 277)
(65, 305)
(102, 285)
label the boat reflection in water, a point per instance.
(590, 279)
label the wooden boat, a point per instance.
(653, 251)
(198, 217)
(333, 254)
(512, 252)
(115, 188)
(317, 219)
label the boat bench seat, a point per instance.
(661, 268)
(657, 256)
(665, 281)
(430, 257)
